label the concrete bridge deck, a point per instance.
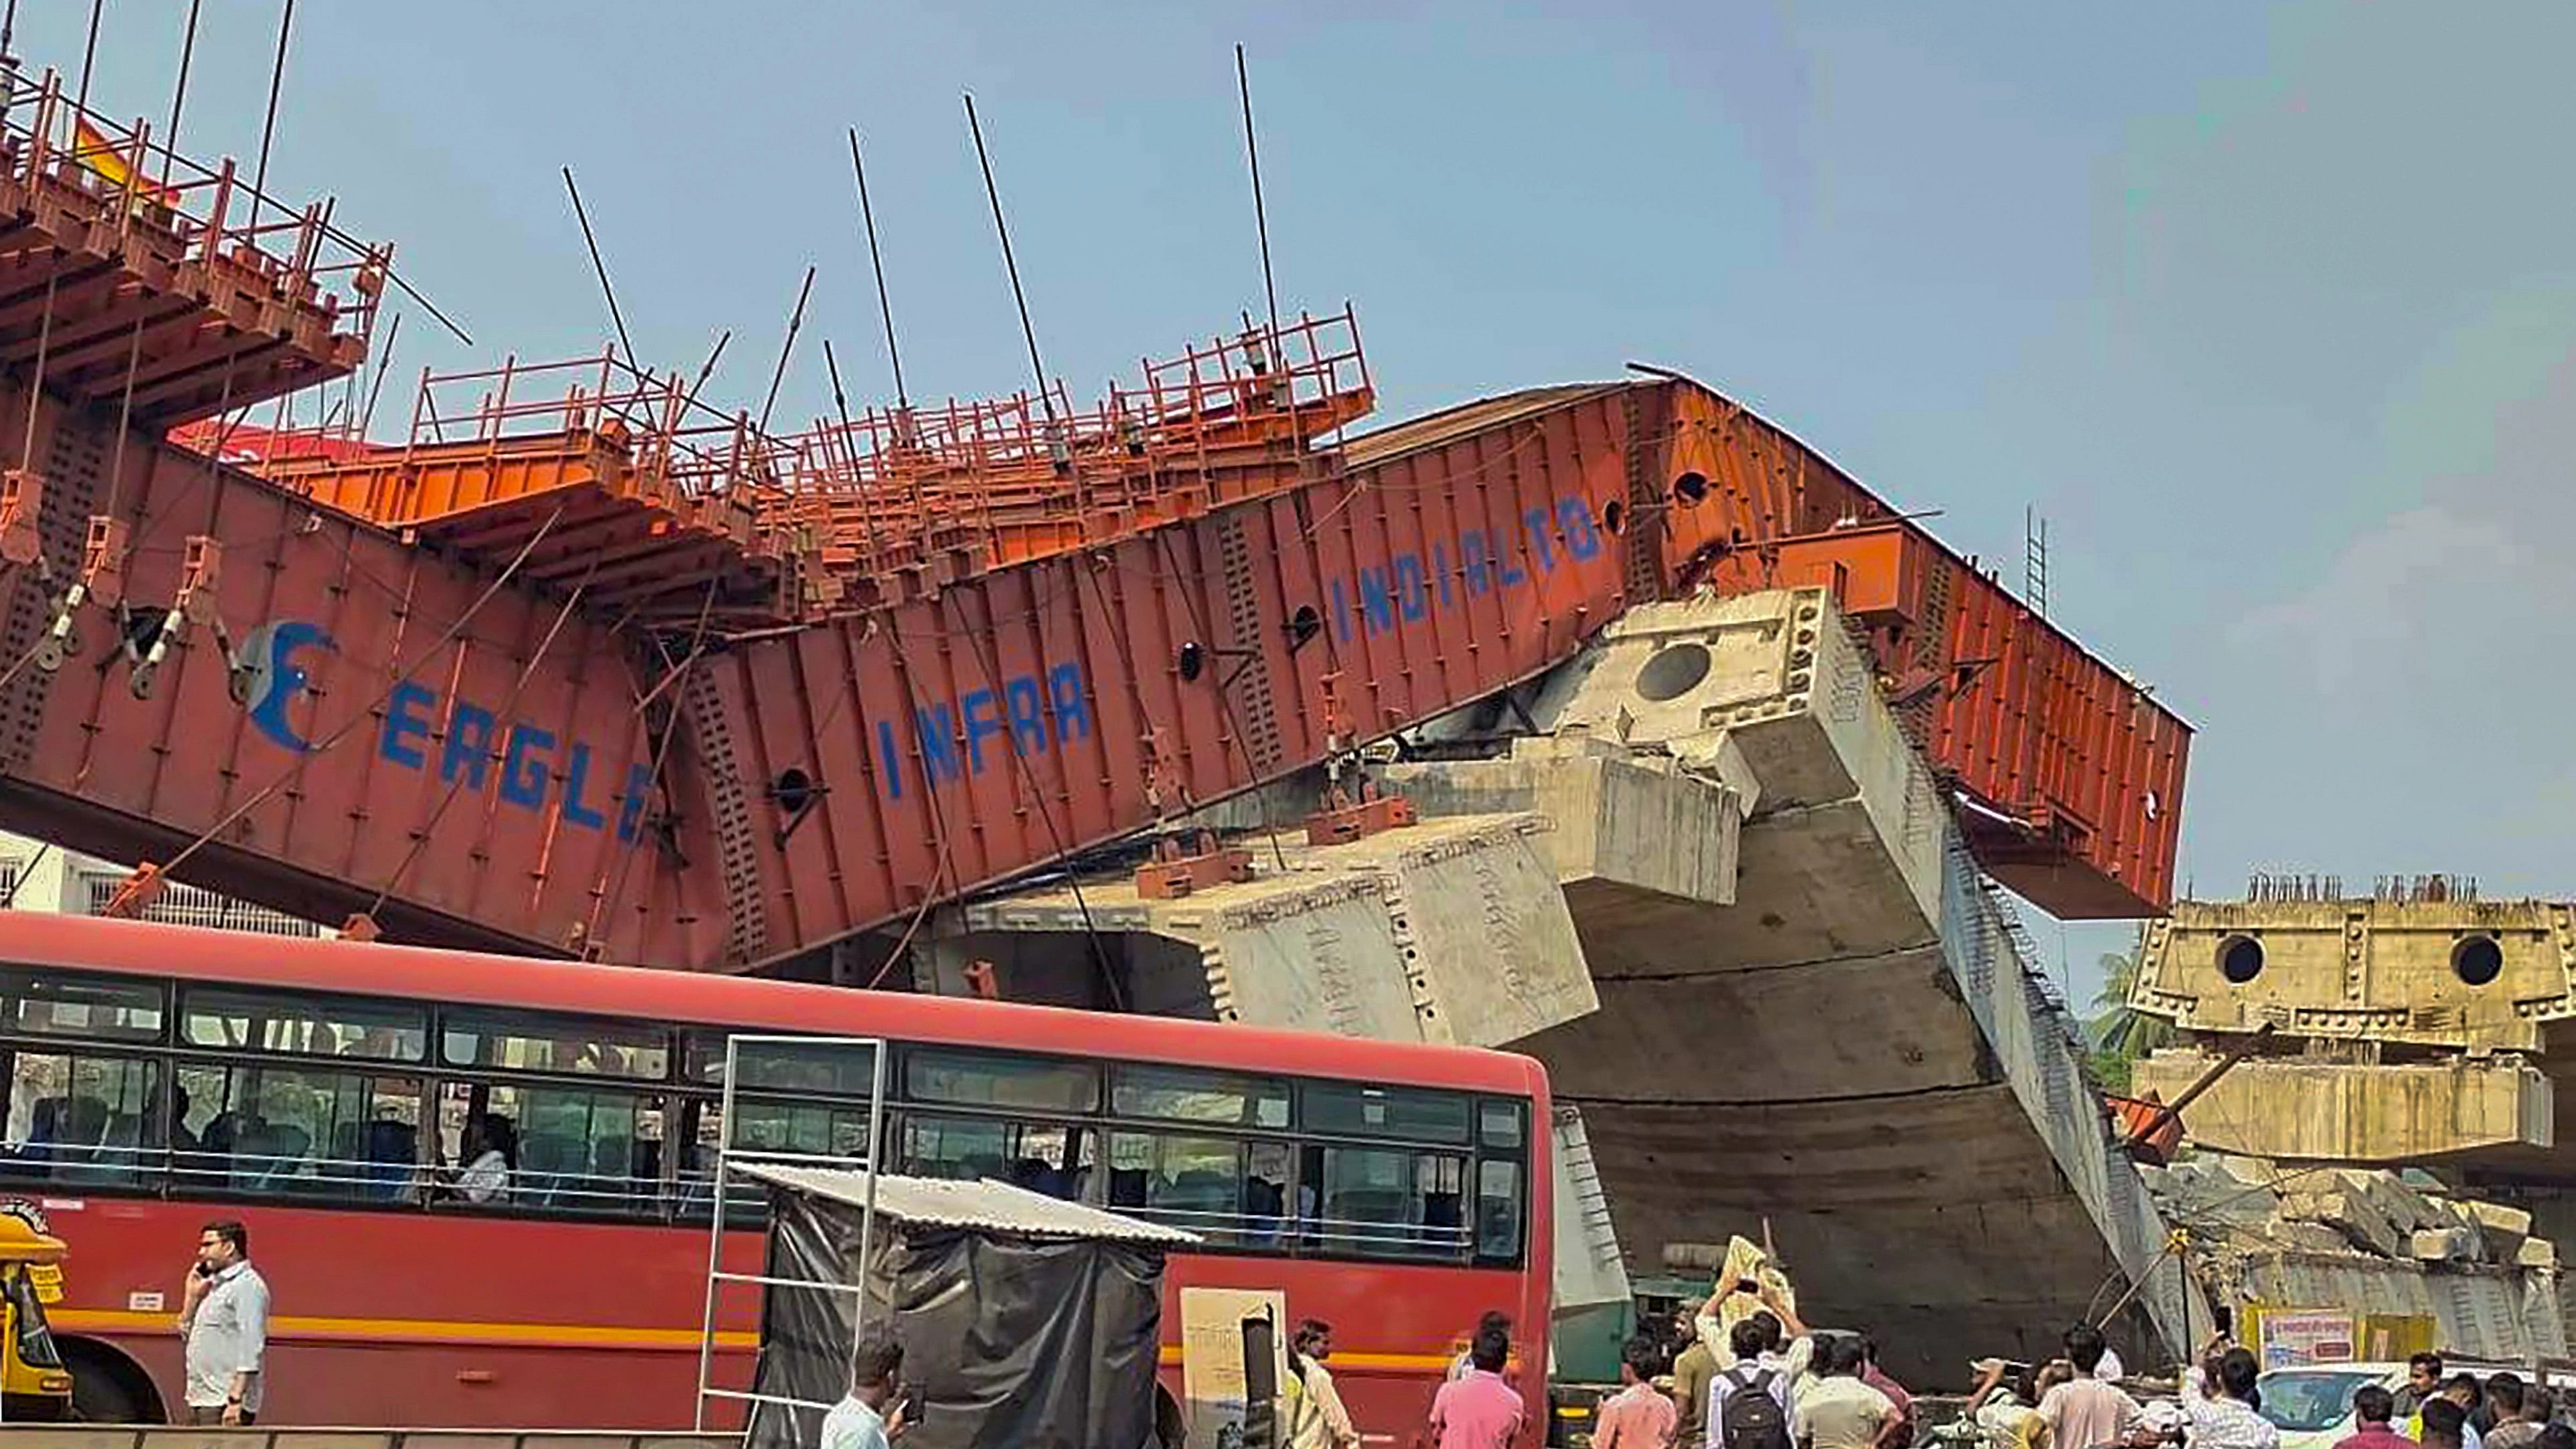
(1804, 1002)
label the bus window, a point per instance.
(829, 1068)
(552, 1148)
(87, 1006)
(1176, 1094)
(1498, 1123)
(1190, 1182)
(1040, 1156)
(800, 1127)
(1383, 1202)
(1265, 1195)
(990, 1079)
(815, 1129)
(1498, 1210)
(309, 1131)
(82, 1120)
(527, 1042)
(1419, 1116)
(325, 1026)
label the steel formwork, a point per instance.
(469, 746)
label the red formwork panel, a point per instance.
(2081, 762)
(481, 761)
(478, 760)
(2073, 772)
(958, 740)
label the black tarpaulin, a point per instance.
(1020, 1339)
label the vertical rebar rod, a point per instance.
(787, 349)
(992, 193)
(601, 267)
(876, 259)
(179, 96)
(268, 127)
(1260, 213)
(89, 55)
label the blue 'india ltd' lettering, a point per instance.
(1379, 598)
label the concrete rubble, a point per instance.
(2371, 1241)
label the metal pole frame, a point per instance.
(726, 1157)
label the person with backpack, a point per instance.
(1748, 1404)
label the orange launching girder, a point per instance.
(175, 292)
(911, 499)
(505, 764)
(617, 483)
(581, 666)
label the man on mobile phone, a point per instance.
(872, 1415)
(223, 1323)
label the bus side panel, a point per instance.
(408, 1317)
(1396, 1328)
(500, 1386)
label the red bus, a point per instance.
(322, 1092)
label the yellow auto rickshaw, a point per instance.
(34, 1385)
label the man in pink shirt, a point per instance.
(1479, 1411)
(1638, 1416)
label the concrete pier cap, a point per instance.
(1844, 1039)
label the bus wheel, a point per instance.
(1168, 1427)
(108, 1387)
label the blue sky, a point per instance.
(2268, 308)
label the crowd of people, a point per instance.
(2438, 1410)
(1764, 1381)
(1767, 1382)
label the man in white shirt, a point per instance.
(223, 1329)
(1751, 1371)
(2223, 1417)
(1835, 1410)
(490, 1143)
(861, 1420)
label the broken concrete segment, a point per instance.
(2536, 1253)
(2441, 1245)
(2405, 1208)
(2308, 1237)
(2350, 1213)
(1618, 819)
(1448, 931)
(2498, 1218)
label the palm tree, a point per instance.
(2121, 1033)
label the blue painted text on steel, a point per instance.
(536, 764)
(1401, 592)
(952, 739)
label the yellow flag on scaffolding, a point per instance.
(108, 160)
